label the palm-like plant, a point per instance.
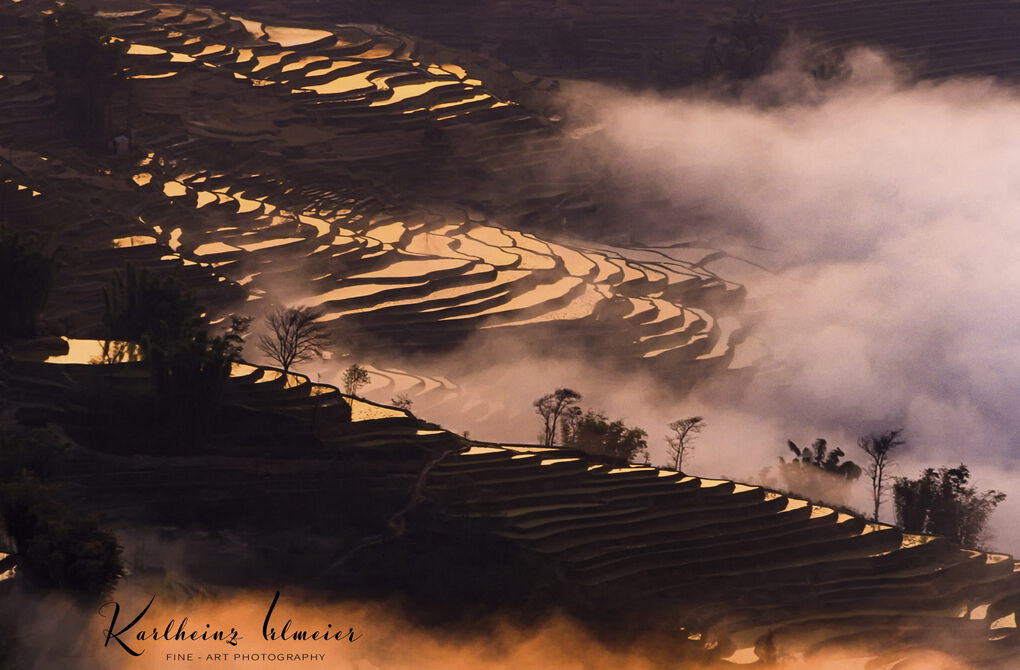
(819, 456)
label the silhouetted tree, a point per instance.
(85, 62)
(819, 456)
(593, 433)
(940, 502)
(879, 449)
(551, 407)
(568, 419)
(141, 307)
(355, 377)
(402, 400)
(681, 439)
(27, 274)
(188, 366)
(295, 335)
(55, 547)
(818, 472)
(191, 373)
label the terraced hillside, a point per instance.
(350, 168)
(749, 574)
(584, 39)
(283, 443)
(404, 188)
(739, 574)
(639, 42)
(943, 38)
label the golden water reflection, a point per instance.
(97, 352)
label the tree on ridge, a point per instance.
(594, 433)
(683, 432)
(879, 449)
(354, 378)
(551, 407)
(295, 335)
(940, 502)
(816, 472)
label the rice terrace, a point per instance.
(567, 334)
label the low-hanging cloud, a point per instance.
(886, 210)
(891, 212)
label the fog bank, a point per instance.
(891, 212)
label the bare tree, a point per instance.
(683, 432)
(354, 378)
(550, 407)
(879, 449)
(295, 335)
(402, 401)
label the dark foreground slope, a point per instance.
(299, 485)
